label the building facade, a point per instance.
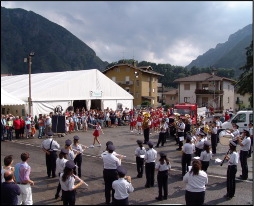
(207, 90)
(141, 82)
(171, 97)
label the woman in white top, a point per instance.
(196, 180)
(8, 161)
(163, 166)
(140, 155)
(187, 150)
(67, 180)
(60, 165)
(206, 156)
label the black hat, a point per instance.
(162, 154)
(231, 142)
(247, 132)
(207, 143)
(150, 143)
(188, 137)
(70, 164)
(139, 142)
(121, 170)
(108, 143)
(76, 137)
(50, 133)
(68, 142)
(111, 147)
(64, 151)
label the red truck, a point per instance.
(185, 108)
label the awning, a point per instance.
(8, 99)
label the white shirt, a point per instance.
(218, 124)
(214, 130)
(163, 127)
(188, 148)
(46, 144)
(140, 152)
(122, 187)
(246, 144)
(68, 185)
(234, 158)
(3, 171)
(78, 148)
(110, 161)
(60, 164)
(71, 155)
(151, 155)
(196, 183)
(162, 167)
(181, 127)
(236, 134)
(251, 131)
(206, 157)
(200, 144)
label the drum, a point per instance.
(225, 137)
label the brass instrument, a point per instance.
(225, 157)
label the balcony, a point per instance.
(207, 91)
(125, 82)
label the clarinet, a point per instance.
(225, 158)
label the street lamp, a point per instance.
(31, 54)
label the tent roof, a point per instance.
(68, 85)
(8, 99)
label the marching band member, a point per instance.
(180, 126)
(50, 146)
(200, 144)
(245, 147)
(206, 156)
(188, 149)
(251, 137)
(140, 155)
(146, 127)
(71, 154)
(139, 124)
(232, 169)
(162, 134)
(79, 150)
(214, 137)
(122, 187)
(163, 166)
(110, 164)
(150, 158)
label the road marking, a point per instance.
(133, 163)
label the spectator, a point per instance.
(9, 190)
(17, 127)
(8, 161)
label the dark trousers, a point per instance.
(146, 134)
(51, 163)
(140, 166)
(78, 161)
(58, 187)
(186, 161)
(198, 151)
(121, 202)
(214, 139)
(69, 197)
(9, 134)
(218, 132)
(205, 165)
(109, 175)
(162, 179)
(194, 198)
(231, 172)
(17, 133)
(244, 164)
(150, 167)
(180, 143)
(162, 139)
(250, 151)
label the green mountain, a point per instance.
(56, 49)
(230, 54)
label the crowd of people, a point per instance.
(199, 140)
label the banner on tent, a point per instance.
(95, 93)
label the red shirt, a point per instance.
(22, 123)
(227, 117)
(17, 124)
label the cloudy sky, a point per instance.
(157, 31)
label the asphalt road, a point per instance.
(125, 142)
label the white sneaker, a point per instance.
(91, 146)
(99, 145)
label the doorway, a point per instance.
(79, 104)
(96, 104)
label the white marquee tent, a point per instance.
(8, 99)
(63, 88)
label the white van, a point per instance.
(242, 119)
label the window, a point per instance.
(228, 99)
(186, 86)
(127, 80)
(127, 69)
(240, 118)
(172, 98)
(153, 101)
(137, 83)
(186, 99)
(113, 79)
(117, 69)
(205, 86)
(137, 95)
(153, 90)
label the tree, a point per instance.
(245, 82)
